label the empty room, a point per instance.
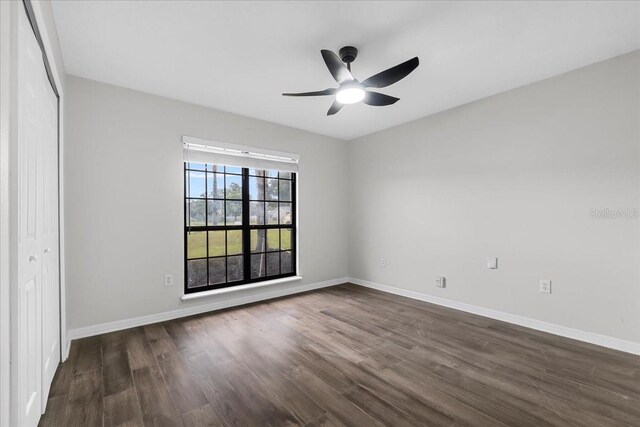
(319, 213)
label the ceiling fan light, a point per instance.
(350, 95)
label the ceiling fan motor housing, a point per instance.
(348, 54)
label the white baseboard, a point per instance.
(563, 331)
(65, 350)
(118, 325)
(552, 328)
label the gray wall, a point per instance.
(513, 176)
(124, 190)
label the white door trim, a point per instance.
(5, 331)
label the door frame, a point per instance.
(5, 305)
(44, 29)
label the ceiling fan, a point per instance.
(350, 90)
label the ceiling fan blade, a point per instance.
(329, 91)
(379, 99)
(336, 67)
(392, 75)
(335, 107)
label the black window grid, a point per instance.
(245, 227)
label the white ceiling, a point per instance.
(240, 56)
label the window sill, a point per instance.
(205, 294)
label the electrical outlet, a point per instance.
(383, 262)
(168, 279)
(545, 286)
(440, 281)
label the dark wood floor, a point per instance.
(341, 356)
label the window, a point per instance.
(239, 225)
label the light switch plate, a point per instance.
(492, 263)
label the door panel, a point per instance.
(29, 346)
(29, 205)
(50, 276)
(36, 173)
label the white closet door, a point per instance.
(38, 317)
(50, 265)
(29, 219)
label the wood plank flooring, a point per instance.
(344, 355)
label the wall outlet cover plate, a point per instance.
(545, 286)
